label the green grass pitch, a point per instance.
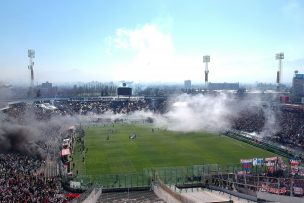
(162, 148)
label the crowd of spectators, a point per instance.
(265, 182)
(279, 125)
(22, 181)
(291, 132)
(250, 119)
(276, 185)
(286, 127)
(15, 111)
(116, 106)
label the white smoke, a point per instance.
(185, 113)
(196, 113)
(271, 125)
(193, 113)
(28, 135)
(215, 113)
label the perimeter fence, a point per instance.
(169, 175)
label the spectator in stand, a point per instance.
(21, 182)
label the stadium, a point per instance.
(144, 149)
(151, 101)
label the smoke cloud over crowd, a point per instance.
(214, 113)
(19, 138)
(31, 136)
(196, 113)
(185, 113)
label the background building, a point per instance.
(298, 88)
(187, 84)
(224, 86)
(46, 89)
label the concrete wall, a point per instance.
(162, 194)
(279, 198)
(93, 197)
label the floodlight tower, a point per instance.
(206, 60)
(31, 55)
(279, 57)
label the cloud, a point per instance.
(148, 38)
(150, 51)
(150, 55)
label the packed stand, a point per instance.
(21, 181)
(291, 131)
(281, 126)
(122, 106)
(251, 119)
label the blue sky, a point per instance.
(151, 41)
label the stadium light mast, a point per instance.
(279, 56)
(206, 60)
(31, 55)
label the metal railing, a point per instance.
(169, 175)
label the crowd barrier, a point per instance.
(168, 195)
(93, 196)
